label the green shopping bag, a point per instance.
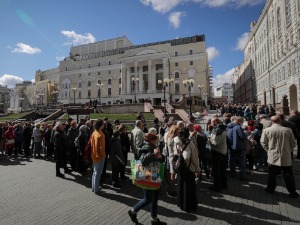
(147, 177)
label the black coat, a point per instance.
(60, 142)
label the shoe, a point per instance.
(101, 192)
(116, 185)
(60, 175)
(213, 188)
(133, 217)
(124, 178)
(294, 195)
(269, 191)
(158, 222)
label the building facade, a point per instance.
(226, 91)
(271, 65)
(116, 71)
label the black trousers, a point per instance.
(115, 173)
(219, 164)
(61, 161)
(287, 175)
(122, 172)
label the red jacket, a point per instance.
(10, 135)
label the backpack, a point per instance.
(180, 166)
(88, 150)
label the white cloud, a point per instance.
(10, 80)
(162, 6)
(212, 53)
(242, 41)
(33, 81)
(60, 58)
(78, 39)
(27, 49)
(175, 19)
(220, 79)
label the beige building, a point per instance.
(271, 66)
(115, 70)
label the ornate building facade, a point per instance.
(116, 71)
(271, 65)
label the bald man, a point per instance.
(279, 142)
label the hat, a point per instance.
(197, 127)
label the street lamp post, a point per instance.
(200, 88)
(74, 90)
(55, 96)
(189, 83)
(134, 82)
(99, 85)
(167, 82)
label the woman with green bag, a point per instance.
(147, 153)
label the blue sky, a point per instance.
(37, 34)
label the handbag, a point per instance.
(147, 177)
(180, 166)
(11, 141)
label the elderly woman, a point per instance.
(186, 186)
(83, 140)
(147, 154)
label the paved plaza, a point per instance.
(32, 194)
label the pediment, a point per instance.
(146, 52)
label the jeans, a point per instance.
(98, 167)
(150, 197)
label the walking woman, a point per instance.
(147, 154)
(186, 186)
(98, 155)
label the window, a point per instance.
(79, 75)
(89, 93)
(176, 88)
(191, 63)
(89, 83)
(66, 68)
(99, 64)
(109, 81)
(89, 74)
(98, 73)
(288, 11)
(109, 72)
(159, 66)
(279, 31)
(145, 68)
(176, 64)
(191, 51)
(89, 65)
(99, 81)
(109, 91)
(80, 66)
(79, 84)
(176, 54)
(176, 75)
(79, 94)
(120, 81)
(119, 91)
(132, 69)
(109, 62)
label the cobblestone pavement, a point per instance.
(32, 194)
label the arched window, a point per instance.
(89, 83)
(109, 81)
(176, 75)
(120, 81)
(279, 29)
(288, 15)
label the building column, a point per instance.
(150, 87)
(123, 78)
(141, 79)
(136, 76)
(128, 80)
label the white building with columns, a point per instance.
(115, 70)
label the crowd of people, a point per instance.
(244, 138)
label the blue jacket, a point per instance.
(238, 138)
(229, 134)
